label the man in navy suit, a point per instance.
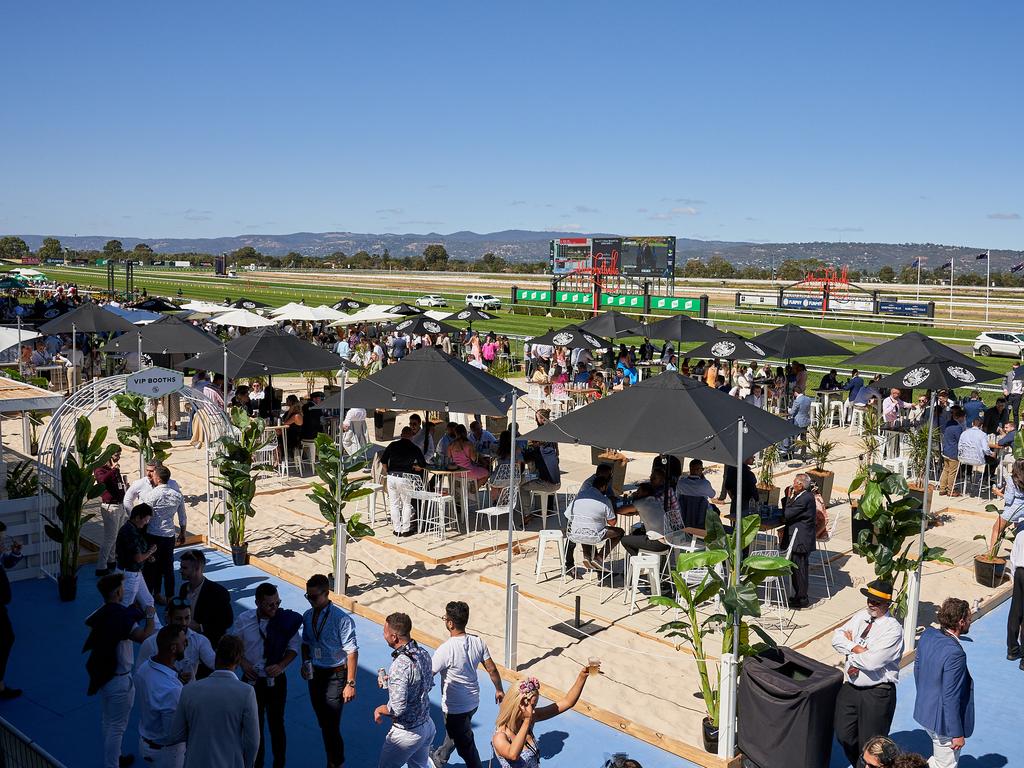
(945, 691)
(798, 512)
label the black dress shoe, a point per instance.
(10, 693)
(799, 605)
(125, 760)
(1013, 655)
(1021, 665)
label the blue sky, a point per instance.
(894, 122)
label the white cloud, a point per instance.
(391, 211)
(1004, 216)
(585, 209)
(845, 229)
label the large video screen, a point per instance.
(569, 254)
(648, 256)
(606, 251)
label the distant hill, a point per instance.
(525, 245)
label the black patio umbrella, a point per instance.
(936, 373)
(669, 414)
(610, 325)
(250, 304)
(730, 346)
(263, 352)
(404, 309)
(469, 315)
(347, 304)
(428, 379)
(156, 304)
(571, 337)
(906, 350)
(88, 318)
(47, 312)
(677, 328)
(421, 324)
(791, 341)
(168, 335)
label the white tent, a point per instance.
(205, 307)
(436, 314)
(302, 313)
(284, 310)
(9, 337)
(241, 318)
(375, 313)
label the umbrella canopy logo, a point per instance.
(403, 325)
(352, 304)
(961, 374)
(915, 377)
(51, 313)
(723, 349)
(594, 342)
(249, 304)
(463, 315)
(432, 327)
(561, 339)
(755, 348)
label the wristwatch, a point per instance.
(350, 683)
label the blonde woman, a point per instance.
(513, 741)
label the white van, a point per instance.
(482, 301)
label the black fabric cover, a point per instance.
(908, 349)
(785, 721)
(792, 342)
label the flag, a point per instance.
(916, 263)
(1017, 267)
(981, 256)
(947, 265)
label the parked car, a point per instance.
(482, 301)
(432, 300)
(999, 343)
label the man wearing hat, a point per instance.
(872, 642)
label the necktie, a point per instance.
(853, 671)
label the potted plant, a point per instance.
(35, 420)
(238, 470)
(735, 596)
(337, 488)
(138, 434)
(892, 522)
(917, 458)
(22, 480)
(990, 566)
(767, 491)
(77, 487)
(820, 450)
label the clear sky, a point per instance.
(893, 122)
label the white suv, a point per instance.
(999, 343)
(431, 301)
(482, 301)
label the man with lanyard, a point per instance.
(330, 660)
(456, 660)
(872, 642)
(270, 635)
(409, 681)
(167, 504)
(197, 649)
(402, 457)
(159, 688)
(112, 629)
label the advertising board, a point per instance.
(648, 256)
(904, 308)
(528, 294)
(574, 297)
(154, 382)
(568, 254)
(675, 303)
(850, 305)
(759, 299)
(622, 300)
(802, 302)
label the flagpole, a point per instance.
(918, 278)
(988, 279)
(950, 287)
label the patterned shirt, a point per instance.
(409, 682)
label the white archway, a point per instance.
(56, 443)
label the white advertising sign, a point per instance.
(850, 305)
(758, 298)
(154, 382)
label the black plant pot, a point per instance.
(240, 554)
(989, 573)
(710, 734)
(67, 588)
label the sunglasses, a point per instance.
(274, 604)
(311, 596)
(180, 602)
(875, 603)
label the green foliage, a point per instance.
(918, 439)
(22, 480)
(77, 487)
(819, 447)
(869, 439)
(736, 597)
(766, 469)
(238, 471)
(1006, 534)
(1018, 445)
(13, 248)
(50, 249)
(113, 248)
(337, 488)
(895, 519)
(139, 434)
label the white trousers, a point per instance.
(407, 746)
(117, 695)
(358, 429)
(399, 495)
(135, 590)
(113, 518)
(943, 754)
(172, 756)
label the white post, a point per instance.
(950, 287)
(21, 370)
(919, 278)
(226, 380)
(511, 654)
(988, 279)
(340, 534)
(728, 670)
(914, 585)
(513, 489)
(727, 705)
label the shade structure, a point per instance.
(421, 324)
(167, 335)
(11, 284)
(673, 414)
(286, 308)
(404, 309)
(48, 312)
(677, 328)
(906, 350)
(936, 373)
(244, 303)
(11, 337)
(303, 313)
(133, 316)
(156, 304)
(729, 346)
(203, 307)
(469, 315)
(88, 318)
(610, 325)
(27, 272)
(791, 341)
(375, 313)
(428, 379)
(571, 337)
(347, 304)
(268, 351)
(241, 318)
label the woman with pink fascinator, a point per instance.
(513, 741)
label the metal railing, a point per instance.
(19, 751)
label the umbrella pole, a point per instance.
(727, 719)
(21, 369)
(340, 542)
(73, 356)
(225, 376)
(914, 585)
(513, 488)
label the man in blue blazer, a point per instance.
(945, 691)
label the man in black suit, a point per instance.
(212, 614)
(799, 515)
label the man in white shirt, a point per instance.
(651, 509)
(973, 447)
(167, 504)
(157, 690)
(342, 348)
(133, 495)
(197, 649)
(695, 484)
(892, 407)
(456, 660)
(355, 422)
(872, 642)
(424, 440)
(592, 521)
(756, 396)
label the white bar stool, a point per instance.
(644, 566)
(550, 536)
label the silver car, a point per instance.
(999, 343)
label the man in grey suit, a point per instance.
(216, 717)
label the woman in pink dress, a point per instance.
(463, 455)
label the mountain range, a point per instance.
(525, 245)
